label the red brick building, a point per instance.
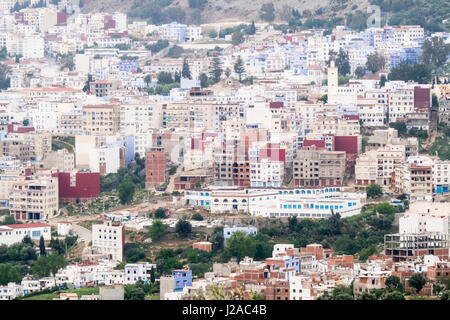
(203, 245)
(155, 167)
(440, 269)
(187, 181)
(344, 261)
(277, 289)
(318, 251)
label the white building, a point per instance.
(10, 291)
(64, 228)
(109, 238)
(104, 159)
(421, 223)
(14, 233)
(300, 288)
(138, 271)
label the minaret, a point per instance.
(332, 79)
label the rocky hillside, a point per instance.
(433, 15)
(210, 11)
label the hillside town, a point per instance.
(192, 162)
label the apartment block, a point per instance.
(155, 167)
(101, 119)
(140, 271)
(108, 239)
(35, 199)
(318, 167)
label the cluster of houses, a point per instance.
(289, 140)
(420, 246)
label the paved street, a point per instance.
(82, 232)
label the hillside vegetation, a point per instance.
(430, 14)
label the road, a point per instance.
(82, 232)
(171, 184)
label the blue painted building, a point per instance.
(129, 149)
(411, 55)
(441, 188)
(127, 65)
(182, 278)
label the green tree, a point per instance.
(9, 273)
(217, 238)
(158, 46)
(438, 288)
(237, 38)
(365, 253)
(27, 240)
(385, 208)
(292, 223)
(186, 72)
(367, 296)
(152, 275)
(133, 252)
(360, 72)
(239, 67)
(422, 134)
(160, 213)
(197, 217)
(25, 122)
(3, 54)
(126, 191)
(157, 229)
(183, 228)
(373, 191)
(375, 62)
(267, 12)
(445, 295)
(4, 79)
(165, 78)
(417, 281)
(87, 85)
(240, 245)
(175, 52)
(394, 295)
(227, 72)
(212, 34)
(215, 69)
(399, 126)
(343, 62)
(393, 283)
(9, 219)
(382, 81)
(147, 79)
(203, 80)
(263, 247)
(48, 265)
(341, 292)
(419, 72)
(252, 29)
(435, 52)
(42, 246)
(132, 292)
